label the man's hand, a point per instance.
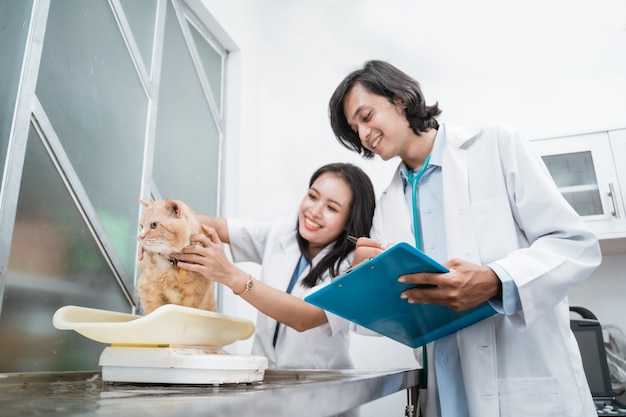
(465, 286)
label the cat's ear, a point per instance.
(145, 203)
(174, 207)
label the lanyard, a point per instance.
(414, 180)
(296, 273)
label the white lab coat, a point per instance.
(274, 246)
(502, 207)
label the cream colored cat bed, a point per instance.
(173, 345)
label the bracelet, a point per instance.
(246, 287)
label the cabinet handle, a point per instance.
(611, 193)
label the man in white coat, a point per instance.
(487, 208)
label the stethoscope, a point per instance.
(414, 179)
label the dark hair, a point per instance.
(382, 78)
(359, 220)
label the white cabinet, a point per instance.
(589, 169)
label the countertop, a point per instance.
(299, 393)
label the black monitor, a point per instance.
(591, 343)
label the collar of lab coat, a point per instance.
(457, 214)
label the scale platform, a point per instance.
(171, 345)
(179, 365)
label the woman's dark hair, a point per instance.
(359, 220)
(382, 78)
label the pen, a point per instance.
(352, 239)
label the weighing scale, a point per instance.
(171, 345)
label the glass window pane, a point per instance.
(14, 23)
(572, 169)
(586, 203)
(94, 99)
(187, 139)
(141, 15)
(54, 262)
(575, 175)
(212, 62)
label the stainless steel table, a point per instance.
(301, 393)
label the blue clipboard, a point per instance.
(369, 295)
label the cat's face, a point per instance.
(166, 226)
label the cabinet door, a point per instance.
(617, 139)
(583, 168)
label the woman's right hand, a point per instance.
(205, 255)
(366, 249)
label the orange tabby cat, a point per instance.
(165, 228)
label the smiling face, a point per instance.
(324, 211)
(382, 126)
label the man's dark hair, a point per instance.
(382, 78)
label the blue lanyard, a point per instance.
(414, 180)
(302, 263)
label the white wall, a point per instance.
(548, 68)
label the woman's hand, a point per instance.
(366, 249)
(465, 286)
(205, 255)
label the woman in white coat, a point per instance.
(488, 209)
(312, 248)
